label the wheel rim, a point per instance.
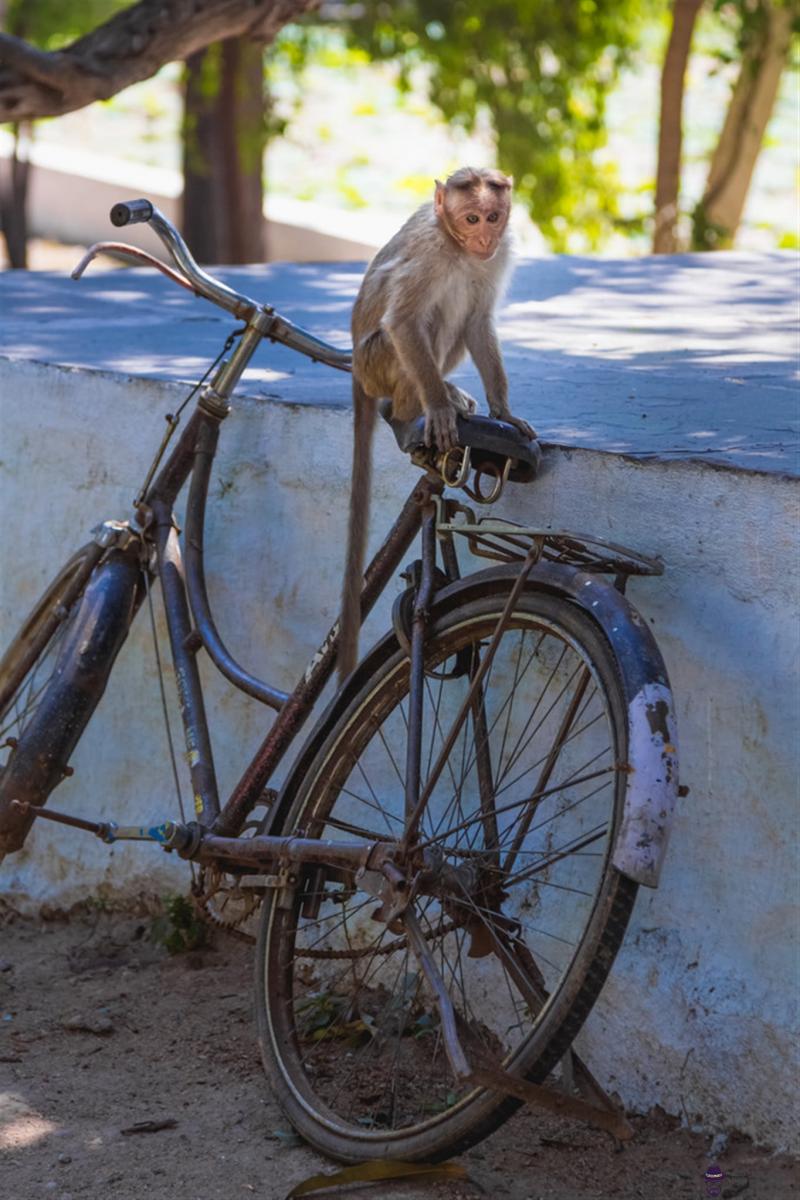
(351, 1017)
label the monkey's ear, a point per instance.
(510, 179)
(438, 195)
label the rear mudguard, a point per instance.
(652, 780)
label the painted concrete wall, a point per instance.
(699, 1011)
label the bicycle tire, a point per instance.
(53, 674)
(309, 1023)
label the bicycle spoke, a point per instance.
(539, 761)
(530, 872)
(547, 768)
(517, 804)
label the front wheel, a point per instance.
(53, 675)
(519, 903)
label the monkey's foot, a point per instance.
(460, 399)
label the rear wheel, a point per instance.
(516, 896)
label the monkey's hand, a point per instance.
(525, 429)
(462, 400)
(441, 429)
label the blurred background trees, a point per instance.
(536, 82)
(543, 70)
(764, 31)
(224, 136)
(48, 24)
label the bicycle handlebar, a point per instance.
(131, 212)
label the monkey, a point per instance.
(427, 299)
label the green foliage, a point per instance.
(542, 69)
(706, 235)
(294, 49)
(179, 929)
(52, 24)
(737, 32)
(323, 1016)
(748, 19)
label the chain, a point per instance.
(398, 944)
(204, 893)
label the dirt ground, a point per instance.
(101, 1029)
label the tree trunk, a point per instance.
(224, 137)
(14, 178)
(14, 199)
(670, 134)
(717, 216)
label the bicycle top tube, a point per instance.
(279, 329)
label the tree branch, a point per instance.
(130, 47)
(52, 70)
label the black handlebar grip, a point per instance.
(131, 212)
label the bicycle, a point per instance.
(446, 874)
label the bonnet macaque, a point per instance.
(426, 300)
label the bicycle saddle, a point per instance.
(487, 438)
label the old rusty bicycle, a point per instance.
(445, 876)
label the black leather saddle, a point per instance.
(489, 441)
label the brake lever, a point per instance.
(121, 248)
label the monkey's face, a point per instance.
(476, 217)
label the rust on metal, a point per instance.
(453, 1048)
(187, 674)
(122, 249)
(265, 852)
(424, 596)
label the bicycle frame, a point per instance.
(650, 793)
(187, 599)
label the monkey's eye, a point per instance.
(473, 219)
(492, 217)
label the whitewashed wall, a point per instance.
(698, 1013)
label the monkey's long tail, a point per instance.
(357, 529)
